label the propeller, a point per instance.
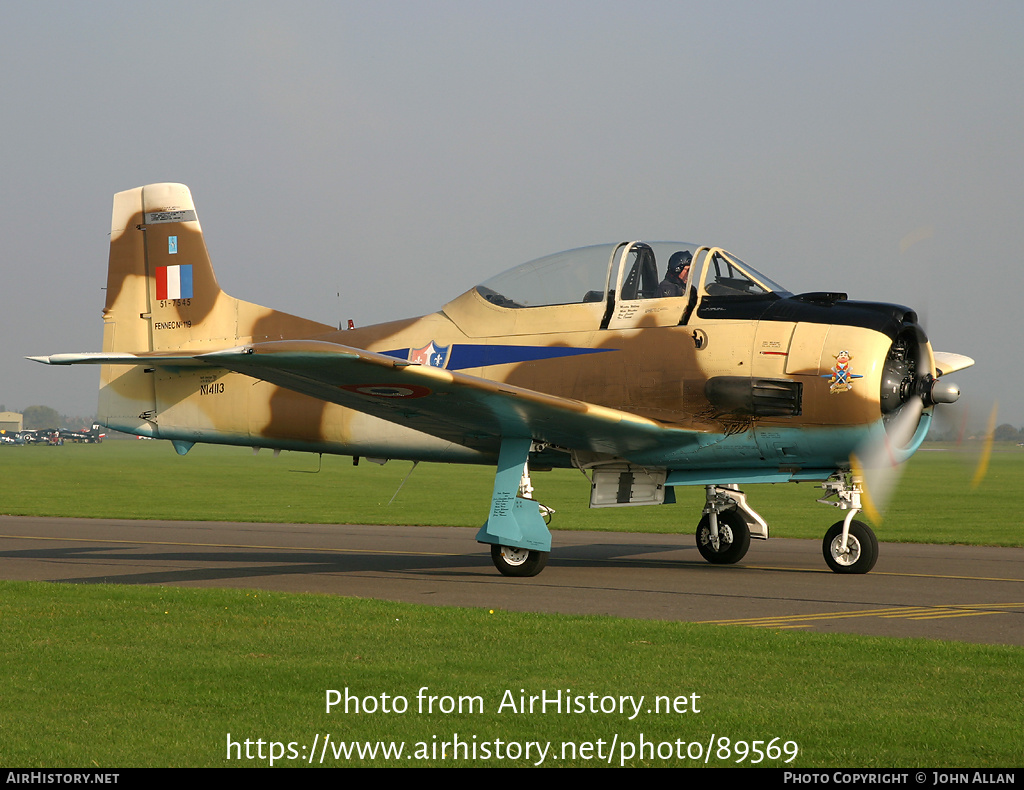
(909, 387)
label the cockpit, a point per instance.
(631, 284)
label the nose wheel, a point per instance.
(858, 555)
(849, 546)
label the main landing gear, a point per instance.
(724, 532)
(512, 561)
(516, 528)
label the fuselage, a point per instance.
(775, 384)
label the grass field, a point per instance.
(100, 677)
(146, 676)
(146, 479)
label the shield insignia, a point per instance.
(430, 354)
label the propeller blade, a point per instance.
(879, 464)
(974, 455)
(986, 450)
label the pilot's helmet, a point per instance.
(678, 262)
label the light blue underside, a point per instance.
(742, 458)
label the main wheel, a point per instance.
(512, 561)
(733, 538)
(861, 548)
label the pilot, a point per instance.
(678, 270)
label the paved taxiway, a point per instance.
(973, 594)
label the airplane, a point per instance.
(91, 435)
(580, 359)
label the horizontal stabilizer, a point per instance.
(101, 358)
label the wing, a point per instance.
(468, 410)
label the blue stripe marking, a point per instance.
(466, 356)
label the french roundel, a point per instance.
(388, 390)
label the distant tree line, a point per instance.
(1007, 433)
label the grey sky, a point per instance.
(399, 152)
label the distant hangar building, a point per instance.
(11, 421)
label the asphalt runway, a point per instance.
(971, 594)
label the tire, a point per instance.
(862, 548)
(511, 561)
(733, 538)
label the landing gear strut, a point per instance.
(849, 546)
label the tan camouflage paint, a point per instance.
(658, 372)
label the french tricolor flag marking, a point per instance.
(174, 282)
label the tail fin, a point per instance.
(162, 295)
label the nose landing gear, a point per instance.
(849, 546)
